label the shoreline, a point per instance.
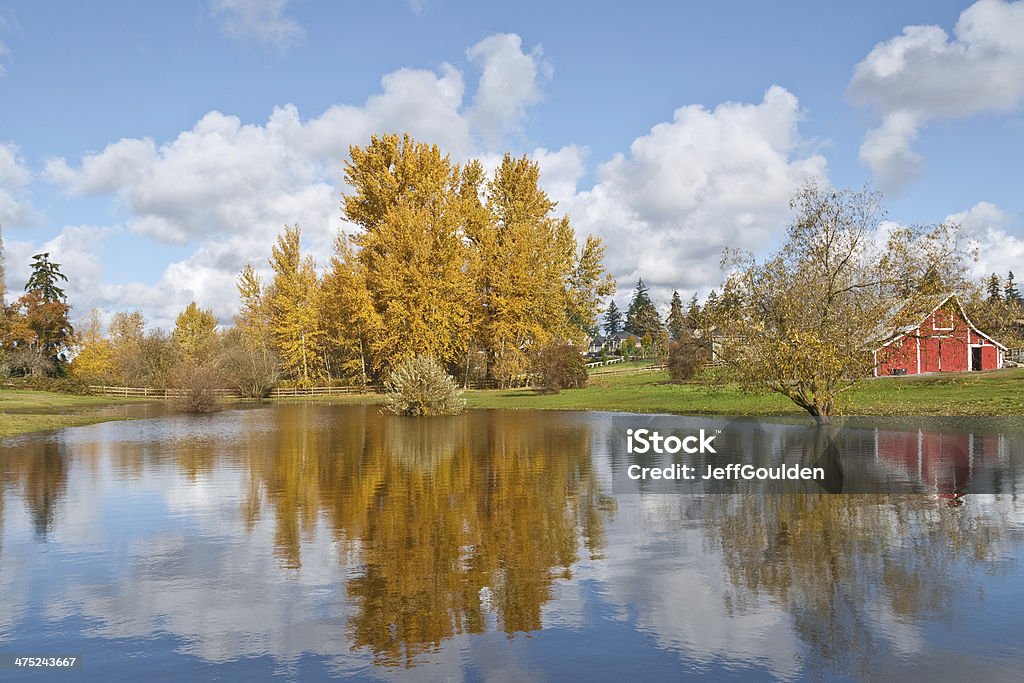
(991, 394)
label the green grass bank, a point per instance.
(632, 388)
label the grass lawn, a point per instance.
(23, 410)
(627, 387)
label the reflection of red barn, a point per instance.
(944, 340)
(943, 462)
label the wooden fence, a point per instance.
(599, 363)
(150, 392)
(298, 392)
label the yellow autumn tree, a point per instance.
(533, 287)
(248, 356)
(94, 354)
(351, 322)
(293, 313)
(411, 249)
(195, 334)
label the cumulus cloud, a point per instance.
(690, 187)
(561, 170)
(995, 235)
(924, 74)
(229, 187)
(262, 21)
(77, 248)
(707, 179)
(15, 207)
(511, 81)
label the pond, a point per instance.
(310, 541)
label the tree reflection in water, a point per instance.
(842, 565)
(38, 469)
(449, 521)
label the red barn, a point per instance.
(944, 340)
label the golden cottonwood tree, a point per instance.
(195, 334)
(94, 354)
(351, 321)
(447, 265)
(292, 308)
(412, 252)
(249, 358)
(532, 286)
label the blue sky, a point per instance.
(156, 147)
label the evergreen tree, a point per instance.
(612, 319)
(693, 313)
(44, 311)
(711, 306)
(642, 317)
(994, 289)
(675, 322)
(1010, 291)
(44, 278)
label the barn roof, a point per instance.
(918, 311)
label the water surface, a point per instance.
(317, 541)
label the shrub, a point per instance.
(559, 366)
(686, 358)
(420, 386)
(196, 387)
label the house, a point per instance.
(943, 340)
(610, 344)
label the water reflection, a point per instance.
(447, 519)
(382, 545)
(854, 570)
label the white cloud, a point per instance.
(230, 187)
(923, 75)
(561, 170)
(263, 21)
(990, 230)
(219, 178)
(15, 207)
(689, 187)
(76, 248)
(704, 181)
(510, 82)
(888, 151)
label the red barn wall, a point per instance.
(941, 349)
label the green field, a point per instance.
(623, 388)
(991, 393)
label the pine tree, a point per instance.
(711, 306)
(642, 317)
(1010, 291)
(44, 278)
(612, 319)
(693, 313)
(675, 322)
(994, 288)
